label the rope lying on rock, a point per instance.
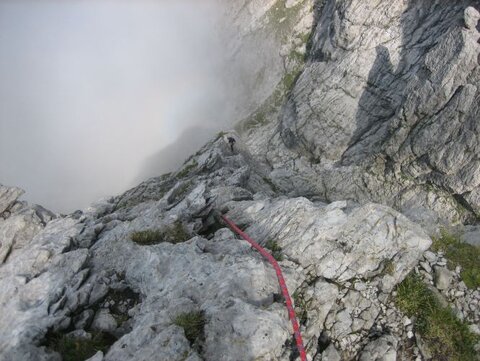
(281, 281)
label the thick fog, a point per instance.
(91, 90)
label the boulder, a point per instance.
(443, 278)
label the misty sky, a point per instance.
(90, 89)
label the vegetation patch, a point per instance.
(282, 19)
(461, 254)
(271, 105)
(176, 233)
(79, 348)
(289, 80)
(153, 189)
(271, 184)
(147, 237)
(180, 192)
(120, 302)
(388, 267)
(447, 337)
(187, 169)
(302, 306)
(193, 324)
(165, 176)
(275, 249)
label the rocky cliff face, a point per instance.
(382, 108)
(266, 44)
(386, 109)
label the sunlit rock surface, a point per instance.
(334, 254)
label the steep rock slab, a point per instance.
(339, 243)
(371, 248)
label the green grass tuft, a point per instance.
(187, 169)
(460, 253)
(447, 337)
(192, 324)
(302, 306)
(275, 249)
(388, 267)
(79, 349)
(147, 237)
(176, 233)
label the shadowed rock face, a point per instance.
(387, 107)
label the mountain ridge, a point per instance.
(151, 274)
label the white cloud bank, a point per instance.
(90, 89)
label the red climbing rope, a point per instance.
(281, 281)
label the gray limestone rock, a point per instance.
(104, 321)
(370, 120)
(8, 196)
(331, 354)
(471, 235)
(16, 231)
(384, 111)
(471, 17)
(83, 320)
(443, 278)
(280, 29)
(324, 247)
(338, 244)
(97, 357)
(381, 349)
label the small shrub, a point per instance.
(460, 253)
(176, 233)
(275, 249)
(79, 349)
(447, 337)
(192, 324)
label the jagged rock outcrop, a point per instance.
(19, 222)
(341, 262)
(385, 110)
